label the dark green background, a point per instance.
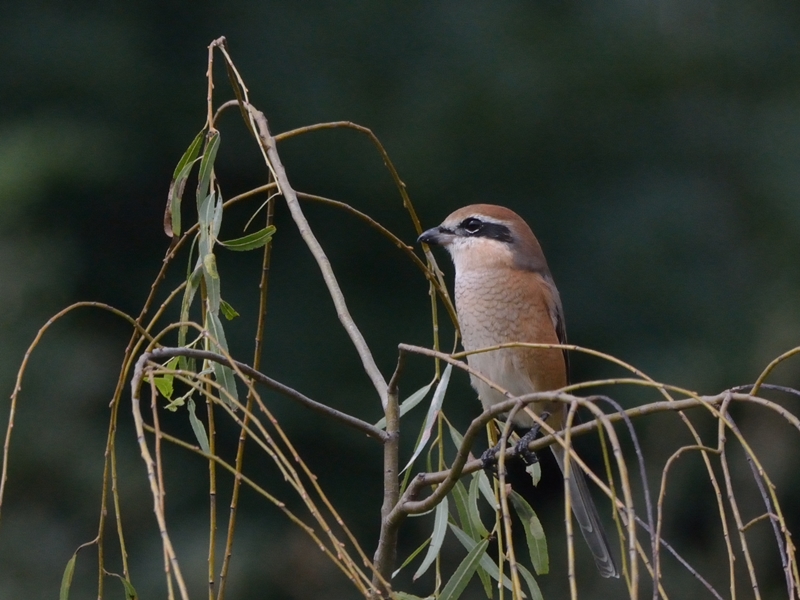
(654, 147)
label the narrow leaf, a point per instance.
(191, 153)
(211, 277)
(437, 538)
(251, 241)
(409, 403)
(461, 497)
(172, 214)
(223, 374)
(486, 562)
(411, 557)
(198, 428)
(227, 310)
(205, 211)
(534, 534)
(407, 596)
(433, 411)
(486, 490)
(464, 572)
(207, 165)
(533, 587)
(216, 216)
(472, 507)
(455, 435)
(210, 265)
(130, 591)
(192, 284)
(205, 214)
(469, 534)
(66, 579)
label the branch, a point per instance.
(461, 466)
(367, 360)
(355, 423)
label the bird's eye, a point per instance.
(471, 225)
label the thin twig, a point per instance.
(259, 338)
(289, 195)
(355, 423)
(791, 586)
(156, 491)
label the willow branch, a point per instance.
(318, 407)
(289, 194)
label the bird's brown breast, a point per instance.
(494, 309)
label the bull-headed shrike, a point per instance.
(504, 293)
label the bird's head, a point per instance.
(487, 236)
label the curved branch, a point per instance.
(367, 360)
(355, 423)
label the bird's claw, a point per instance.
(489, 461)
(527, 456)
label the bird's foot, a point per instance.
(527, 456)
(489, 461)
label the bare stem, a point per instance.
(351, 421)
(367, 360)
(262, 313)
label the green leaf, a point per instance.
(407, 596)
(455, 435)
(164, 382)
(223, 374)
(472, 527)
(191, 153)
(533, 587)
(164, 385)
(409, 403)
(251, 241)
(487, 564)
(174, 405)
(227, 310)
(534, 534)
(130, 591)
(198, 428)
(66, 579)
(437, 538)
(216, 216)
(411, 557)
(207, 165)
(535, 471)
(210, 265)
(433, 411)
(472, 507)
(192, 283)
(468, 541)
(205, 216)
(485, 487)
(172, 215)
(459, 494)
(453, 589)
(211, 277)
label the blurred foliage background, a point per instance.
(654, 147)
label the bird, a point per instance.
(504, 293)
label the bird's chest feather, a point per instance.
(489, 310)
(492, 310)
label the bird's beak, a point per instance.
(437, 236)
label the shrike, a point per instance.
(504, 293)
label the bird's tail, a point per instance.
(587, 517)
